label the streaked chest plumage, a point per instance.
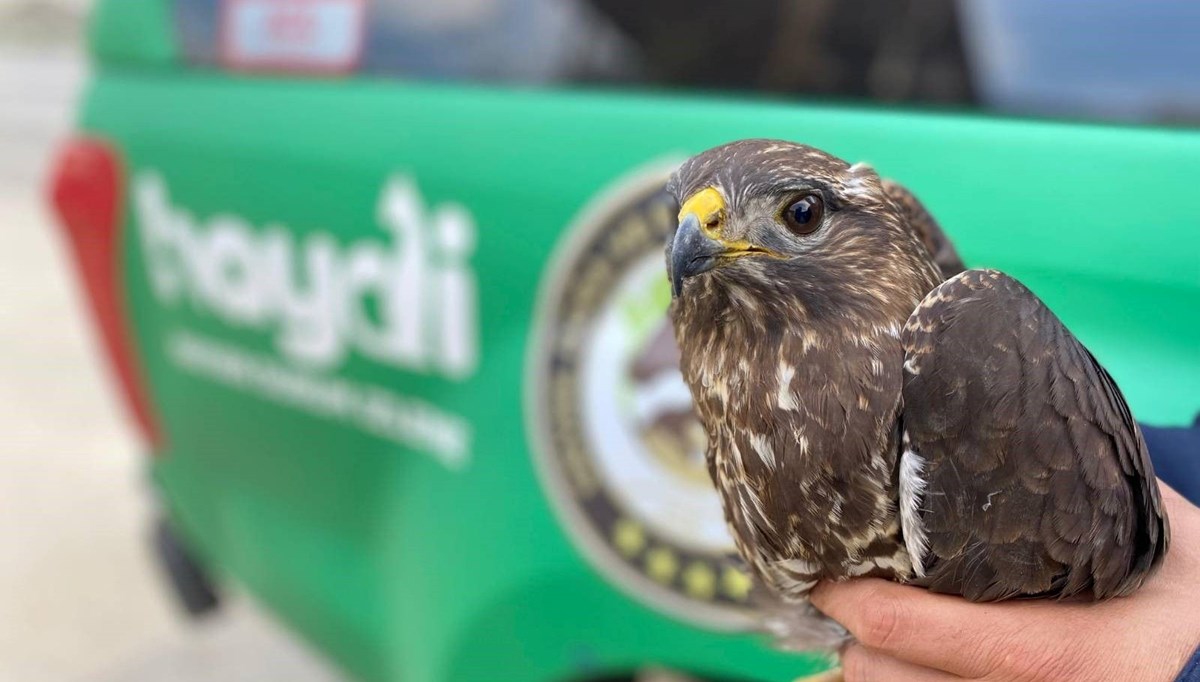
(803, 447)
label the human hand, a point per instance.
(908, 634)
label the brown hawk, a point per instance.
(867, 416)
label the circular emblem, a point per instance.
(619, 447)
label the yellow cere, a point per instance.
(706, 204)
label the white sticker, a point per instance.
(313, 36)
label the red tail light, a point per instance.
(87, 193)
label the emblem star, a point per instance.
(700, 581)
(736, 584)
(661, 564)
(628, 537)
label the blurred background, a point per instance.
(80, 595)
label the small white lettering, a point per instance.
(405, 420)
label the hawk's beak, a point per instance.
(692, 252)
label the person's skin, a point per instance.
(907, 634)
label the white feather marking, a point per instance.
(756, 502)
(911, 366)
(912, 490)
(799, 566)
(792, 587)
(793, 578)
(895, 564)
(763, 448)
(737, 456)
(785, 397)
(988, 505)
(861, 569)
(892, 330)
(857, 184)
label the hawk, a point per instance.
(874, 409)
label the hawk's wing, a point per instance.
(927, 228)
(1024, 473)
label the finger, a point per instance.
(860, 664)
(1174, 503)
(1183, 561)
(918, 626)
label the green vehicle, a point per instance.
(399, 350)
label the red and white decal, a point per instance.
(299, 36)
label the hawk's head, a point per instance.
(767, 224)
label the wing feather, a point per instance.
(926, 226)
(1038, 482)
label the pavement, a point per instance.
(80, 595)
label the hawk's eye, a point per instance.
(803, 216)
